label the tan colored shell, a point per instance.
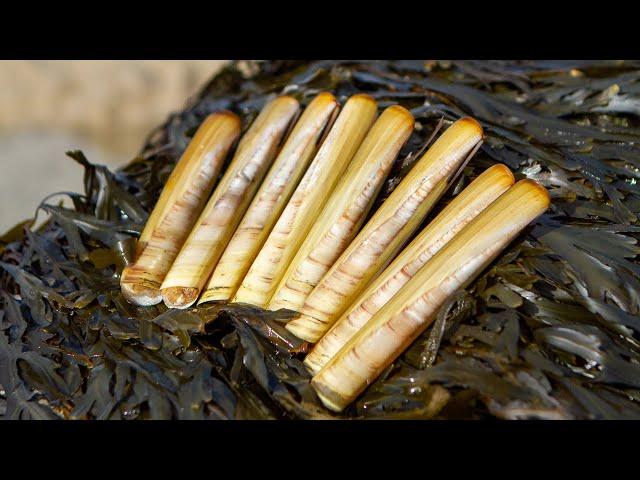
(414, 307)
(346, 209)
(272, 197)
(394, 222)
(314, 189)
(178, 207)
(230, 199)
(466, 206)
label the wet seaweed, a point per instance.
(551, 330)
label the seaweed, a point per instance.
(550, 330)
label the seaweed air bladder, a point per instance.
(273, 195)
(297, 218)
(178, 207)
(398, 323)
(466, 206)
(231, 198)
(389, 229)
(346, 209)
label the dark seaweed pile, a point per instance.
(551, 330)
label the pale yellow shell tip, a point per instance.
(213, 120)
(312, 366)
(284, 99)
(300, 327)
(248, 298)
(179, 297)
(140, 295)
(472, 123)
(505, 172)
(213, 296)
(325, 97)
(364, 97)
(223, 113)
(542, 193)
(328, 397)
(402, 112)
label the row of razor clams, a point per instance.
(285, 227)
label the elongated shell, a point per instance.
(273, 195)
(342, 216)
(229, 201)
(395, 221)
(492, 183)
(413, 308)
(314, 189)
(178, 207)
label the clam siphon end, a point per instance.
(140, 295)
(505, 173)
(215, 295)
(541, 193)
(179, 297)
(311, 364)
(329, 398)
(363, 97)
(472, 123)
(305, 328)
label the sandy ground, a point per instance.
(104, 108)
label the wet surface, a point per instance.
(549, 330)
